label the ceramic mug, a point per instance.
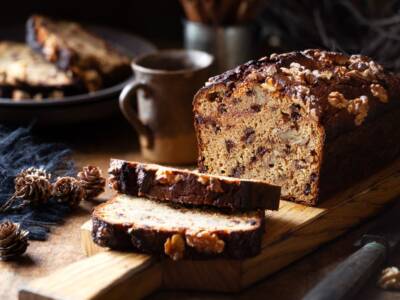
(163, 89)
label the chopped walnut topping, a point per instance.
(325, 74)
(359, 107)
(337, 100)
(174, 247)
(379, 91)
(165, 176)
(269, 85)
(206, 242)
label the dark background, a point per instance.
(154, 19)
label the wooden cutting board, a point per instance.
(291, 233)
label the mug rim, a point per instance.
(136, 62)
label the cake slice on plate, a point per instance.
(75, 49)
(25, 74)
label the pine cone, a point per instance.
(13, 240)
(92, 181)
(68, 190)
(33, 186)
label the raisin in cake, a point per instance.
(189, 187)
(24, 74)
(75, 49)
(148, 226)
(312, 122)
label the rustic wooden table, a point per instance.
(95, 144)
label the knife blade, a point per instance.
(351, 274)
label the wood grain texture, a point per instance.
(107, 275)
(291, 233)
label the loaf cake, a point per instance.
(189, 187)
(25, 74)
(131, 223)
(75, 49)
(312, 122)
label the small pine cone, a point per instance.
(92, 181)
(68, 190)
(13, 240)
(33, 186)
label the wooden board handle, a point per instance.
(347, 279)
(107, 275)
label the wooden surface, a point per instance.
(96, 144)
(291, 232)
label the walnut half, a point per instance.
(205, 242)
(390, 279)
(174, 247)
(165, 176)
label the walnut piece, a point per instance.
(174, 247)
(337, 100)
(390, 279)
(379, 91)
(165, 176)
(215, 185)
(205, 242)
(359, 107)
(269, 85)
(203, 179)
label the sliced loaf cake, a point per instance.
(313, 122)
(190, 187)
(148, 226)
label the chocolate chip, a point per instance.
(295, 112)
(237, 171)
(199, 120)
(313, 152)
(249, 93)
(222, 108)
(229, 144)
(285, 117)
(249, 135)
(307, 189)
(255, 107)
(313, 177)
(212, 96)
(287, 149)
(216, 128)
(261, 151)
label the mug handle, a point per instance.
(125, 104)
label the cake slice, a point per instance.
(313, 122)
(25, 74)
(148, 226)
(75, 49)
(190, 187)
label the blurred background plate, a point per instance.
(78, 108)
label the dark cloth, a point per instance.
(18, 150)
